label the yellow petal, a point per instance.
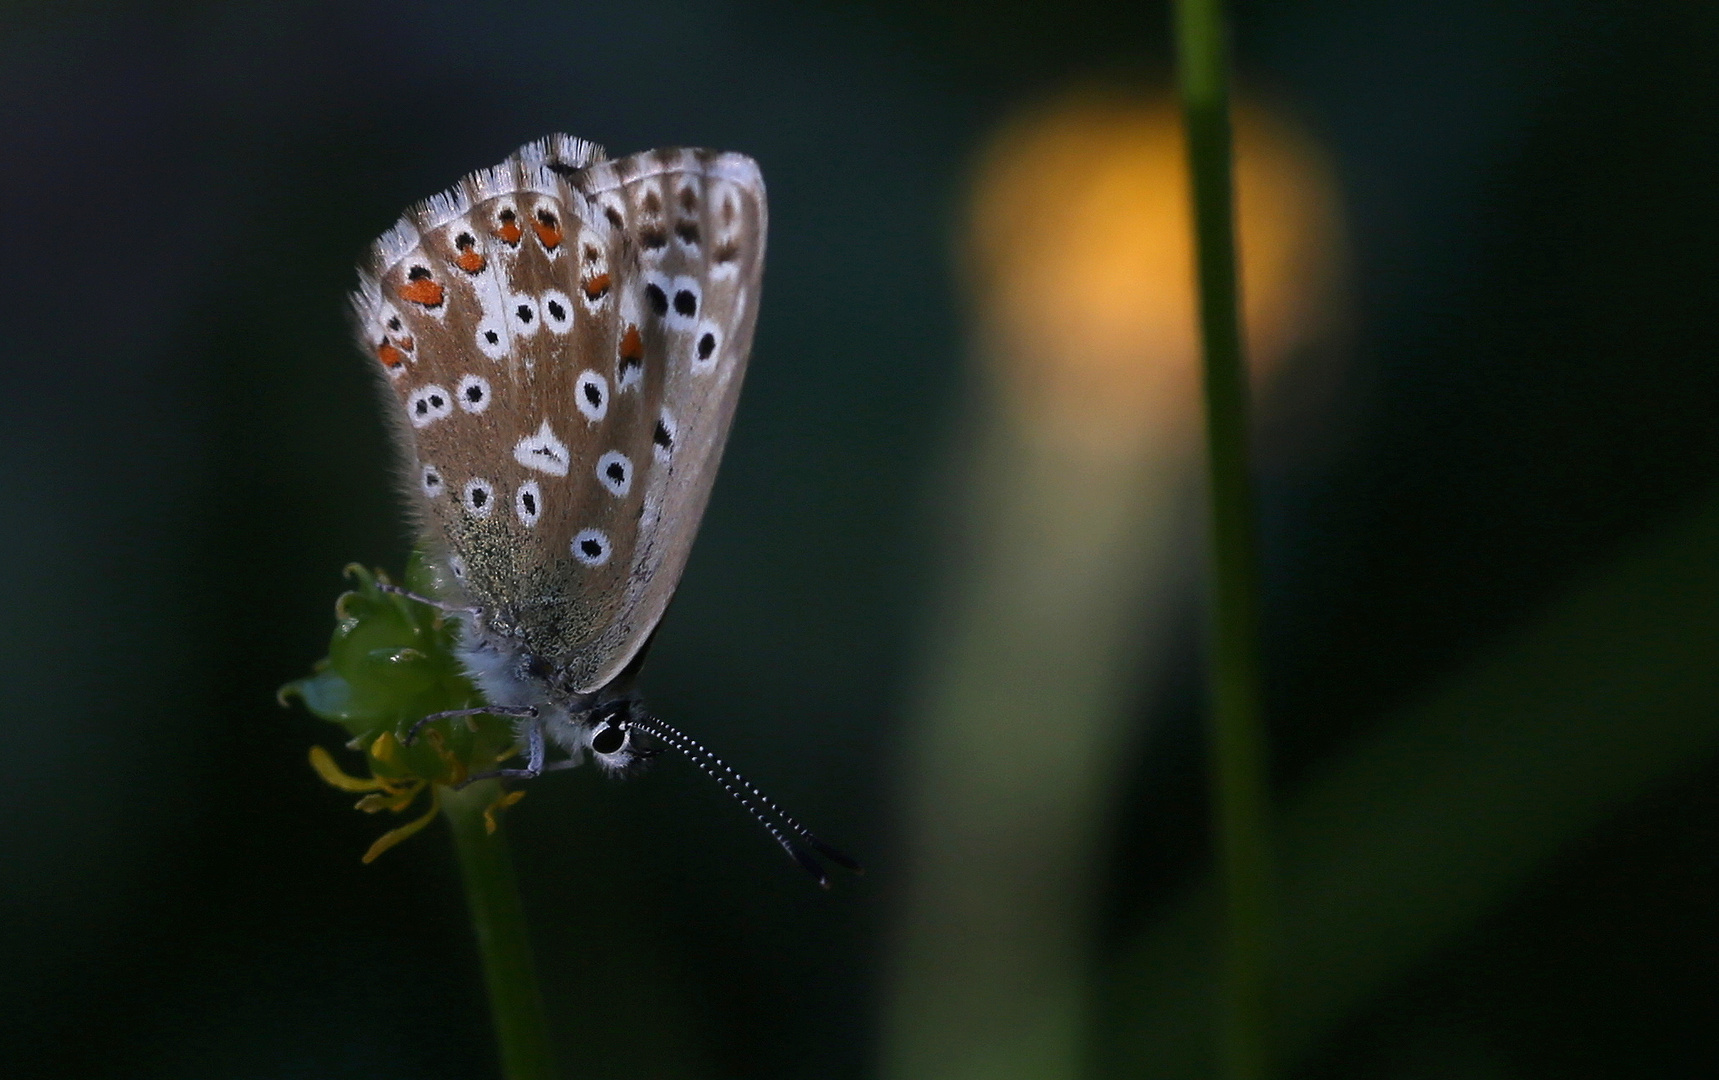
(455, 773)
(394, 836)
(386, 748)
(323, 763)
(501, 803)
(392, 799)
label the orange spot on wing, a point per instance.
(550, 235)
(389, 355)
(470, 261)
(632, 346)
(423, 291)
(509, 230)
(597, 288)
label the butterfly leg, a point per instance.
(525, 713)
(534, 755)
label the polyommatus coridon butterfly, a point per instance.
(563, 338)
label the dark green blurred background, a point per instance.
(192, 450)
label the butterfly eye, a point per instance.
(474, 393)
(608, 739)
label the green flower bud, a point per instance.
(391, 663)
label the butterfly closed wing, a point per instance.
(564, 339)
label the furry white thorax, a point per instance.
(498, 668)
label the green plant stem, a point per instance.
(498, 921)
(1443, 812)
(1237, 735)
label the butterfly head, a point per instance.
(615, 740)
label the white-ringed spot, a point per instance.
(595, 288)
(591, 547)
(474, 393)
(432, 482)
(492, 338)
(631, 359)
(706, 346)
(662, 436)
(546, 223)
(523, 315)
(543, 452)
(422, 288)
(428, 404)
(684, 299)
(458, 566)
(479, 497)
(594, 278)
(726, 266)
(557, 311)
(528, 503)
(391, 334)
(468, 254)
(506, 225)
(615, 472)
(657, 290)
(652, 230)
(591, 394)
(396, 370)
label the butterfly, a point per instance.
(562, 339)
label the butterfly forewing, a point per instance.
(565, 339)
